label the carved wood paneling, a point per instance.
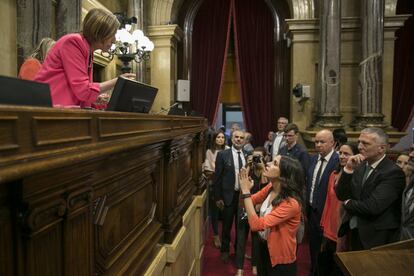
(78, 231)
(111, 127)
(54, 130)
(44, 253)
(92, 193)
(8, 133)
(6, 235)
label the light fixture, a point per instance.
(130, 45)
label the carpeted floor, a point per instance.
(213, 266)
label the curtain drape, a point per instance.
(403, 87)
(253, 35)
(209, 51)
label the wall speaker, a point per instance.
(183, 91)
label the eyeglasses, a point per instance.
(288, 135)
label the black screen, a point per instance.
(131, 96)
(23, 92)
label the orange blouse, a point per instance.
(330, 216)
(283, 222)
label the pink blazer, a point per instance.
(68, 71)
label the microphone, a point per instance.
(166, 110)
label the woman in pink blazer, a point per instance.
(68, 68)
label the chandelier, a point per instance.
(129, 44)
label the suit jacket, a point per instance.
(376, 203)
(319, 193)
(298, 152)
(407, 217)
(224, 177)
(282, 143)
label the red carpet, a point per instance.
(213, 266)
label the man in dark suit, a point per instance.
(226, 185)
(321, 166)
(371, 186)
(407, 212)
(292, 148)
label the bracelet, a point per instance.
(243, 196)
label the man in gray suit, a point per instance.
(371, 187)
(278, 141)
(407, 212)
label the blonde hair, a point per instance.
(42, 49)
(99, 25)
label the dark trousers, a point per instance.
(326, 263)
(315, 238)
(242, 233)
(255, 248)
(213, 210)
(355, 241)
(243, 230)
(229, 215)
(264, 265)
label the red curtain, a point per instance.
(209, 50)
(253, 31)
(403, 87)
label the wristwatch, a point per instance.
(243, 196)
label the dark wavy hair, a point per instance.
(354, 149)
(213, 147)
(292, 181)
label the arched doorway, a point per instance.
(279, 98)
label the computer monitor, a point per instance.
(15, 91)
(132, 96)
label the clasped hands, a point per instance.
(245, 182)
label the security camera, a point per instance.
(297, 90)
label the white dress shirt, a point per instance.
(236, 166)
(315, 172)
(276, 144)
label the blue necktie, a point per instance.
(318, 174)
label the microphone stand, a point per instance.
(166, 110)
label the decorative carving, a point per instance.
(79, 199)
(171, 153)
(43, 215)
(100, 211)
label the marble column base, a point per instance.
(327, 121)
(362, 121)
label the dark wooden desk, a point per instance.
(392, 259)
(88, 192)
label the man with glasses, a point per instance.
(371, 186)
(292, 148)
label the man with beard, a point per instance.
(226, 185)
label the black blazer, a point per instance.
(224, 177)
(376, 204)
(319, 195)
(407, 217)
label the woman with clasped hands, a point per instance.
(69, 64)
(279, 214)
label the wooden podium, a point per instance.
(391, 259)
(86, 192)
